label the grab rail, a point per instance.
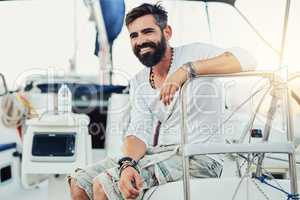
(286, 148)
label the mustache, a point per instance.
(144, 45)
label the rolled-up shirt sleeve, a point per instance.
(246, 60)
(141, 119)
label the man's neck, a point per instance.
(162, 68)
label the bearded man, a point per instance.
(149, 160)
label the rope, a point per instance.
(292, 196)
(238, 187)
(12, 111)
(260, 190)
(16, 108)
(267, 173)
(250, 161)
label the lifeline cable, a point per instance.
(292, 196)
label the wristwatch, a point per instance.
(126, 159)
(127, 162)
(189, 67)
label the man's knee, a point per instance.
(77, 193)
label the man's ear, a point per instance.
(168, 32)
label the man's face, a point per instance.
(147, 40)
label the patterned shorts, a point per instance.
(159, 166)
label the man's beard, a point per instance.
(150, 59)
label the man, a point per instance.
(155, 105)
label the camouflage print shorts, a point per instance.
(159, 166)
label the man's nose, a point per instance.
(141, 40)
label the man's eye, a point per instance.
(148, 32)
(133, 36)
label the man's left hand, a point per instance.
(172, 84)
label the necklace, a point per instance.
(152, 76)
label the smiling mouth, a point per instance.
(145, 50)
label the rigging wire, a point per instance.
(262, 179)
(208, 22)
(257, 32)
(243, 103)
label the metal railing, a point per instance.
(225, 148)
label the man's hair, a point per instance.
(156, 10)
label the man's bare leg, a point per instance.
(77, 193)
(98, 191)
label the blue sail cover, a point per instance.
(7, 146)
(113, 14)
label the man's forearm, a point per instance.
(134, 147)
(222, 64)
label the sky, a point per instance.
(37, 35)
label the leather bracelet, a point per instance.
(189, 67)
(126, 158)
(127, 164)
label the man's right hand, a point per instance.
(130, 183)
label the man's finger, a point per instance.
(128, 186)
(138, 181)
(168, 93)
(167, 96)
(171, 97)
(127, 194)
(161, 95)
(171, 93)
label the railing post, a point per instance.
(290, 138)
(185, 159)
(276, 94)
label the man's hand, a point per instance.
(172, 84)
(130, 183)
